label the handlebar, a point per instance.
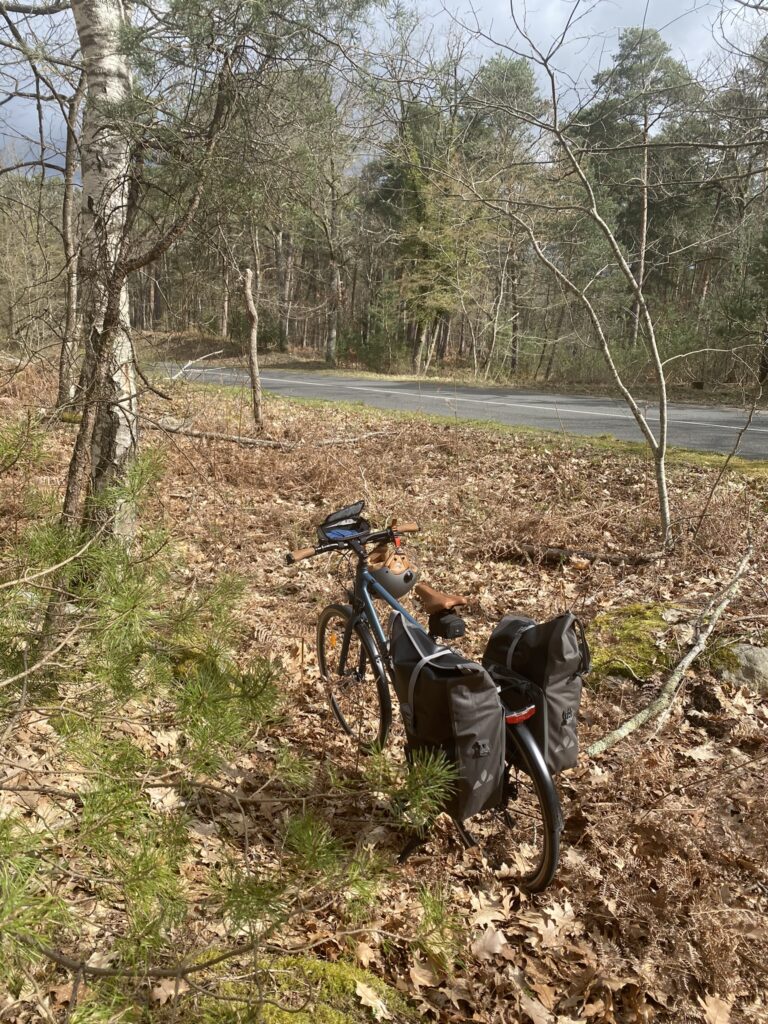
(298, 554)
(404, 527)
(367, 537)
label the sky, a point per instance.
(687, 25)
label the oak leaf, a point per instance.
(490, 942)
(370, 998)
(716, 1009)
(167, 989)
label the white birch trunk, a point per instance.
(252, 310)
(105, 176)
(72, 325)
(333, 314)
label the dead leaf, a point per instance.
(489, 943)
(365, 954)
(716, 1009)
(163, 798)
(534, 1009)
(487, 910)
(577, 562)
(167, 989)
(368, 997)
(705, 752)
(420, 975)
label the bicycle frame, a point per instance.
(365, 609)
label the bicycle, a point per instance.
(354, 661)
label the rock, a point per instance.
(171, 423)
(749, 667)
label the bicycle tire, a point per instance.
(520, 740)
(359, 696)
(526, 828)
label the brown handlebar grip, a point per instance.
(298, 554)
(404, 527)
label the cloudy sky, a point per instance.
(687, 25)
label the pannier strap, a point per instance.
(586, 657)
(515, 642)
(419, 666)
(431, 656)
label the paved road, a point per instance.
(706, 428)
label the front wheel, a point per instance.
(351, 670)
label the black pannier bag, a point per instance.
(543, 664)
(452, 705)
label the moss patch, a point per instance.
(623, 642)
(720, 658)
(303, 990)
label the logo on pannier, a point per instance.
(484, 777)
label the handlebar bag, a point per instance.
(546, 660)
(345, 522)
(450, 704)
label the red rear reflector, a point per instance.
(398, 541)
(520, 716)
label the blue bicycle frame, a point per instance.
(364, 585)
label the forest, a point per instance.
(186, 832)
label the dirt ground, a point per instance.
(658, 909)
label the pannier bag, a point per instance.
(543, 664)
(452, 705)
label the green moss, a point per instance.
(328, 989)
(623, 642)
(719, 659)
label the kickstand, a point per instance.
(413, 844)
(466, 836)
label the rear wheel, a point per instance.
(350, 667)
(533, 809)
(525, 834)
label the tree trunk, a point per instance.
(762, 371)
(514, 304)
(72, 324)
(107, 382)
(224, 323)
(420, 342)
(284, 267)
(252, 311)
(643, 232)
(333, 314)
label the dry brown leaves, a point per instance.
(658, 909)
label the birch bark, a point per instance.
(72, 324)
(108, 376)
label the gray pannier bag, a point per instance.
(452, 705)
(543, 664)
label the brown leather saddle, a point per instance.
(436, 601)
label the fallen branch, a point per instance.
(552, 555)
(186, 366)
(213, 435)
(662, 704)
(333, 441)
(259, 442)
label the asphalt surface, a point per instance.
(704, 428)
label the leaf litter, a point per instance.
(657, 910)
